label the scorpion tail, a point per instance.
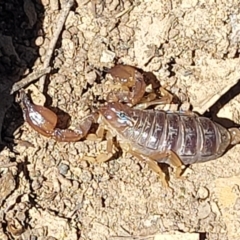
(235, 135)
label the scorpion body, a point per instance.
(193, 138)
(152, 135)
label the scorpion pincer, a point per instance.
(154, 136)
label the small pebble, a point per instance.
(66, 34)
(73, 30)
(202, 193)
(42, 51)
(63, 168)
(39, 41)
(36, 185)
(204, 210)
(86, 176)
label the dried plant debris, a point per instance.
(7, 184)
(52, 190)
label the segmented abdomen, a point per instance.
(192, 138)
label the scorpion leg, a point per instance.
(157, 169)
(153, 165)
(176, 162)
(44, 121)
(111, 148)
(150, 100)
(172, 158)
(155, 158)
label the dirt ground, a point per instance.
(51, 190)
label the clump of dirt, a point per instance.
(52, 190)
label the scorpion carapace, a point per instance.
(154, 136)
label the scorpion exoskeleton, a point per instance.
(155, 136)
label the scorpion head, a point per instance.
(118, 115)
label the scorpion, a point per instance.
(175, 138)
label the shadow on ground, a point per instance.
(20, 25)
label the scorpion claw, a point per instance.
(131, 82)
(44, 121)
(41, 119)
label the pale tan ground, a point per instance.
(51, 191)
